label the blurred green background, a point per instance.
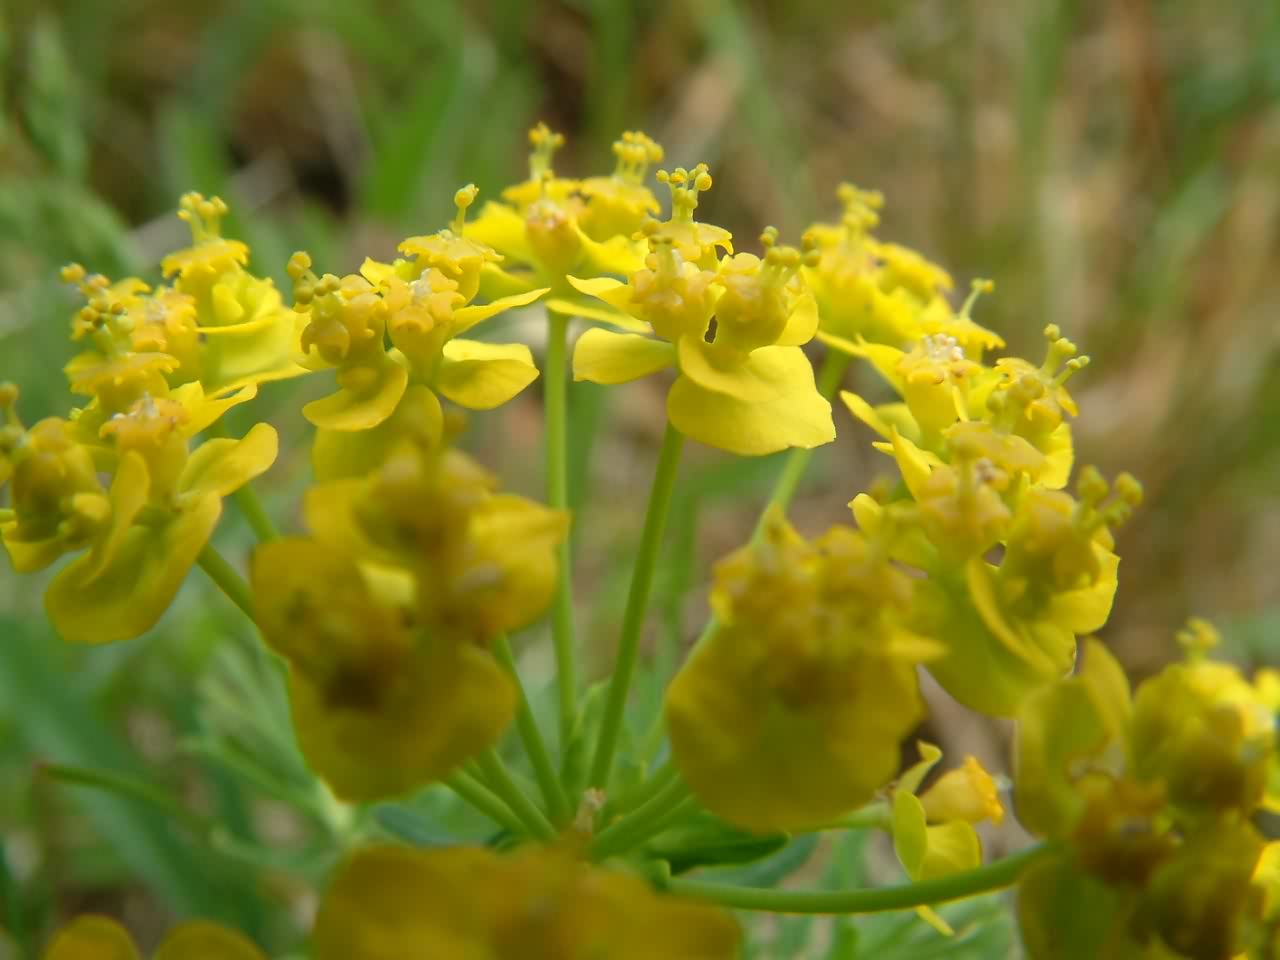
(1113, 166)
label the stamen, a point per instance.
(545, 143)
(635, 152)
(463, 199)
(204, 217)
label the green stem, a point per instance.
(644, 792)
(228, 580)
(548, 782)
(993, 876)
(499, 781)
(484, 800)
(645, 821)
(655, 519)
(133, 789)
(247, 500)
(554, 387)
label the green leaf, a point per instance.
(772, 870)
(52, 106)
(58, 726)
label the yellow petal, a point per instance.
(764, 763)
(910, 781)
(464, 318)
(802, 324)
(203, 409)
(602, 356)
(1086, 609)
(452, 702)
(222, 466)
(354, 453)
(135, 588)
(617, 255)
(201, 940)
(915, 464)
(501, 227)
(385, 901)
(613, 292)
(496, 282)
(92, 938)
(752, 380)
(1060, 456)
(28, 556)
(481, 376)
(366, 403)
(1059, 727)
(129, 491)
(797, 416)
(594, 311)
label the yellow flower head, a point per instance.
(387, 903)
(450, 251)
(1033, 401)
(162, 507)
(110, 370)
(484, 562)
(542, 184)
(619, 204)
(381, 704)
(165, 322)
(91, 937)
(933, 834)
(247, 335)
(696, 242)
(1202, 729)
(57, 502)
(210, 255)
(791, 713)
(749, 389)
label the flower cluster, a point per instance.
(988, 566)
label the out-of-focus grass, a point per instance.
(1114, 167)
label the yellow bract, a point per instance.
(749, 389)
(92, 937)
(791, 713)
(464, 903)
(386, 616)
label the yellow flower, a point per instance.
(1202, 729)
(422, 306)
(1012, 626)
(541, 239)
(163, 506)
(791, 713)
(485, 561)
(750, 390)
(91, 937)
(933, 833)
(381, 704)
(388, 903)
(247, 334)
(1071, 734)
(618, 205)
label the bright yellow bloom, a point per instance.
(933, 833)
(380, 707)
(750, 389)
(421, 305)
(541, 237)
(387, 614)
(464, 903)
(247, 334)
(619, 205)
(791, 713)
(141, 537)
(91, 937)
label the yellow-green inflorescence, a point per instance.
(990, 566)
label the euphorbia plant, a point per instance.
(389, 611)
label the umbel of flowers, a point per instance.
(991, 566)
